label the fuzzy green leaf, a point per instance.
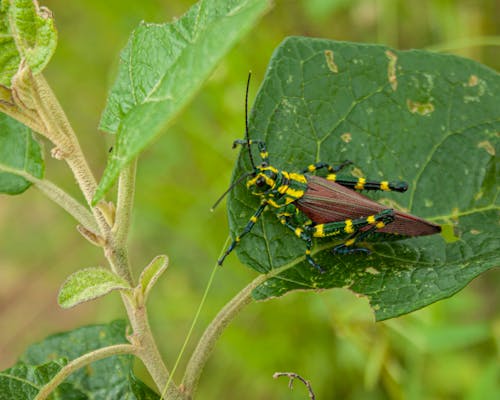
(429, 119)
(20, 156)
(161, 69)
(89, 284)
(109, 378)
(23, 381)
(151, 273)
(28, 34)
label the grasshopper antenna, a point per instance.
(246, 122)
(236, 182)
(247, 136)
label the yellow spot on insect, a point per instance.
(273, 203)
(296, 194)
(346, 137)
(269, 168)
(350, 242)
(330, 62)
(237, 239)
(298, 232)
(253, 219)
(331, 177)
(264, 154)
(348, 226)
(298, 177)
(319, 231)
(311, 168)
(419, 108)
(486, 145)
(360, 185)
(308, 252)
(371, 219)
(282, 189)
(391, 69)
(380, 225)
(384, 185)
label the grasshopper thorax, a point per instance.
(277, 187)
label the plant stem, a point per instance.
(60, 132)
(67, 202)
(124, 203)
(114, 233)
(212, 333)
(147, 350)
(58, 196)
(80, 362)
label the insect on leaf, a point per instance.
(428, 119)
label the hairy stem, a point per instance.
(80, 362)
(67, 202)
(124, 203)
(212, 333)
(114, 233)
(60, 132)
(147, 350)
(58, 196)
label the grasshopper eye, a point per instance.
(260, 181)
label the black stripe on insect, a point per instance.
(315, 206)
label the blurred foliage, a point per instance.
(448, 350)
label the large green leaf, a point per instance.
(162, 67)
(109, 378)
(20, 156)
(429, 119)
(27, 33)
(23, 381)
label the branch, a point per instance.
(212, 333)
(292, 376)
(58, 196)
(80, 362)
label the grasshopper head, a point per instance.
(263, 180)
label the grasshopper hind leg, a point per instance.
(378, 221)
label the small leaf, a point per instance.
(20, 156)
(161, 69)
(429, 119)
(28, 34)
(151, 273)
(89, 284)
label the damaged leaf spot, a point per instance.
(448, 233)
(419, 108)
(346, 137)
(357, 173)
(486, 145)
(473, 80)
(372, 271)
(330, 62)
(391, 69)
(477, 88)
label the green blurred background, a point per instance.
(449, 350)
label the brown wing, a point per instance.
(326, 201)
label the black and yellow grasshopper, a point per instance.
(314, 206)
